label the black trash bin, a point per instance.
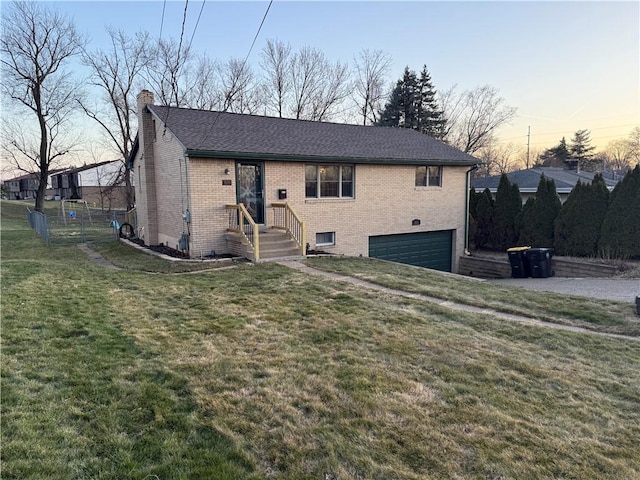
(540, 262)
(519, 262)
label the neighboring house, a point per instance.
(528, 180)
(100, 184)
(228, 183)
(24, 187)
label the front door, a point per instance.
(249, 189)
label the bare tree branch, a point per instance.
(473, 116)
(371, 68)
(36, 43)
(276, 64)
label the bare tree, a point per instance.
(241, 93)
(36, 44)
(306, 78)
(206, 93)
(498, 158)
(617, 155)
(633, 143)
(371, 68)
(116, 72)
(276, 65)
(168, 73)
(318, 86)
(473, 116)
(332, 92)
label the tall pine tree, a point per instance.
(412, 104)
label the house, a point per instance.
(528, 180)
(99, 183)
(25, 187)
(213, 183)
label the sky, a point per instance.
(565, 66)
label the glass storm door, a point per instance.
(249, 189)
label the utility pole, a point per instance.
(528, 143)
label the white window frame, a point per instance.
(428, 177)
(318, 182)
(326, 244)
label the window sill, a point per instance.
(330, 199)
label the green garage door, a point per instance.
(424, 249)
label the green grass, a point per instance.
(594, 314)
(264, 372)
(127, 257)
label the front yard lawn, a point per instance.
(264, 372)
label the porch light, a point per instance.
(226, 171)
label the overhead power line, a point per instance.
(164, 4)
(246, 57)
(197, 23)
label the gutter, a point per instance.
(220, 154)
(466, 208)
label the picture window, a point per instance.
(329, 181)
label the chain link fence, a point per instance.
(82, 225)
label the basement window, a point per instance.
(325, 239)
(428, 176)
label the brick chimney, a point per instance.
(147, 203)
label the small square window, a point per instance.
(325, 238)
(428, 176)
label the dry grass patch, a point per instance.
(264, 372)
(328, 379)
(594, 314)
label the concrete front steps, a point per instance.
(274, 245)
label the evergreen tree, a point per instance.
(412, 104)
(473, 202)
(507, 207)
(538, 223)
(556, 156)
(429, 116)
(577, 228)
(582, 151)
(520, 220)
(620, 233)
(484, 228)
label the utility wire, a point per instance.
(184, 19)
(197, 23)
(244, 62)
(162, 20)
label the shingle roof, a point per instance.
(214, 134)
(528, 180)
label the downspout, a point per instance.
(186, 213)
(466, 208)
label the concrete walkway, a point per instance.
(296, 265)
(96, 257)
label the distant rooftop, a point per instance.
(528, 180)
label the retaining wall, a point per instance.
(484, 267)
